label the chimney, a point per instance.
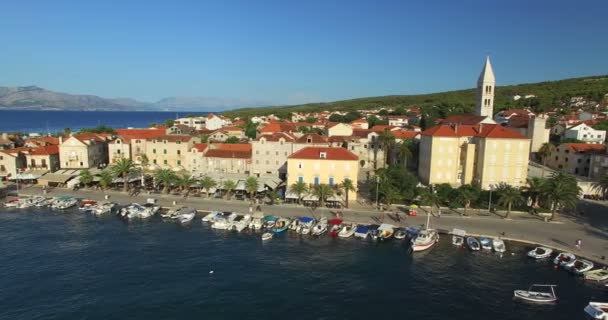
(60, 139)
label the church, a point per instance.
(474, 149)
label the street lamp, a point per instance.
(490, 202)
(377, 186)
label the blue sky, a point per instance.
(294, 51)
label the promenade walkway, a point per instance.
(592, 227)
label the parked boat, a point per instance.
(64, 202)
(45, 202)
(564, 259)
(400, 234)
(305, 225)
(597, 310)
(295, 223)
(581, 266)
(499, 245)
(473, 244)
(426, 238)
(598, 275)
(30, 202)
(335, 225)
(486, 243)
(266, 236)
(87, 205)
(256, 223)
(185, 215)
(269, 221)
(362, 231)
(223, 222)
(240, 223)
(536, 296)
(412, 232)
(13, 203)
(320, 228)
(348, 229)
(458, 237)
(171, 213)
(385, 231)
(212, 216)
(137, 211)
(103, 208)
(373, 231)
(540, 253)
(281, 225)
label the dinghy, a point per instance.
(564, 259)
(536, 296)
(473, 244)
(320, 227)
(103, 208)
(581, 266)
(185, 215)
(347, 230)
(458, 237)
(335, 225)
(362, 231)
(499, 245)
(87, 205)
(385, 231)
(400, 234)
(598, 275)
(281, 225)
(540, 253)
(486, 243)
(266, 236)
(13, 203)
(295, 223)
(597, 310)
(269, 222)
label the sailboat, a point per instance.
(426, 238)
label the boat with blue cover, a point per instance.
(362, 231)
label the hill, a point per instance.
(549, 93)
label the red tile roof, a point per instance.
(330, 154)
(99, 137)
(276, 136)
(313, 137)
(361, 133)
(463, 119)
(225, 150)
(380, 128)
(277, 127)
(585, 147)
(173, 138)
(230, 128)
(499, 132)
(405, 134)
(43, 141)
(200, 147)
(45, 150)
(141, 133)
(483, 130)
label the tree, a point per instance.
(544, 152)
(467, 194)
(232, 140)
(322, 191)
(98, 129)
(336, 118)
(533, 189)
(383, 112)
(165, 177)
(251, 130)
(229, 186)
(207, 183)
(404, 150)
(184, 182)
(105, 178)
(310, 119)
(602, 185)
(144, 161)
(347, 187)
(204, 138)
(386, 140)
(251, 185)
(123, 168)
(507, 196)
(85, 177)
(562, 192)
(298, 188)
(169, 123)
(429, 197)
(273, 197)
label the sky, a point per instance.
(289, 52)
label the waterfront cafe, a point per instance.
(58, 178)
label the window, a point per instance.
(316, 181)
(153, 150)
(165, 151)
(566, 159)
(137, 141)
(556, 158)
(257, 161)
(286, 153)
(277, 153)
(331, 181)
(267, 162)
(165, 161)
(300, 179)
(257, 152)
(277, 162)
(154, 161)
(178, 142)
(575, 170)
(81, 164)
(44, 162)
(299, 165)
(179, 162)
(33, 163)
(179, 152)
(267, 153)
(118, 151)
(323, 155)
(578, 161)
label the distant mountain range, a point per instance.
(36, 98)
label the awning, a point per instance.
(290, 195)
(240, 186)
(333, 199)
(311, 197)
(29, 175)
(261, 189)
(73, 182)
(56, 177)
(212, 190)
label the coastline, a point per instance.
(518, 229)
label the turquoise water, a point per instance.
(76, 266)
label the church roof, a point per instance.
(463, 119)
(487, 74)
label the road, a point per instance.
(591, 228)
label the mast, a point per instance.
(428, 219)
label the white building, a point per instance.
(213, 122)
(485, 90)
(585, 133)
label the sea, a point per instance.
(56, 121)
(70, 265)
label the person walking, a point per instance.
(578, 244)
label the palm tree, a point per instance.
(85, 177)
(534, 189)
(144, 161)
(207, 183)
(387, 141)
(322, 191)
(165, 177)
(184, 182)
(123, 168)
(405, 152)
(602, 185)
(229, 186)
(562, 191)
(544, 152)
(347, 187)
(105, 179)
(466, 194)
(430, 197)
(298, 188)
(251, 185)
(507, 196)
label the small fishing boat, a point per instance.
(473, 244)
(294, 225)
(486, 243)
(499, 245)
(348, 230)
(171, 213)
(223, 222)
(45, 202)
(426, 238)
(281, 225)
(269, 221)
(255, 224)
(598, 275)
(597, 310)
(30, 202)
(240, 223)
(533, 295)
(13, 203)
(362, 231)
(564, 259)
(103, 208)
(305, 225)
(581, 266)
(400, 234)
(266, 236)
(540, 253)
(385, 231)
(458, 237)
(212, 216)
(185, 215)
(87, 205)
(373, 231)
(320, 228)
(64, 202)
(335, 225)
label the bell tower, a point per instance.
(485, 91)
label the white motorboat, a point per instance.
(564, 259)
(581, 266)
(64, 203)
(295, 224)
(13, 203)
(348, 230)
(486, 243)
(598, 275)
(30, 202)
(172, 213)
(426, 238)
(225, 221)
(458, 237)
(212, 216)
(540, 253)
(320, 227)
(185, 215)
(87, 205)
(597, 310)
(473, 244)
(103, 208)
(256, 224)
(137, 211)
(499, 245)
(533, 295)
(385, 231)
(45, 202)
(305, 225)
(149, 210)
(240, 223)
(266, 236)
(400, 234)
